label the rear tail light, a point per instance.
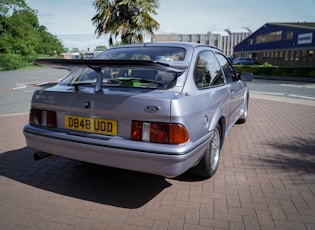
(157, 132)
(43, 118)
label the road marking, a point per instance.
(30, 85)
(304, 97)
(13, 114)
(308, 86)
(284, 95)
(20, 87)
(275, 94)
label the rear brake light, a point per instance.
(43, 118)
(51, 121)
(158, 132)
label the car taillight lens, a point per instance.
(157, 132)
(43, 118)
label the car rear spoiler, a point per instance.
(97, 64)
(176, 66)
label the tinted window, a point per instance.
(207, 71)
(126, 76)
(130, 76)
(144, 53)
(228, 70)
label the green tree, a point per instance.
(75, 50)
(12, 5)
(48, 43)
(22, 38)
(100, 48)
(128, 19)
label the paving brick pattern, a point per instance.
(265, 180)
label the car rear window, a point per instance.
(144, 53)
(131, 76)
(127, 77)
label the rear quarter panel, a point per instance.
(200, 110)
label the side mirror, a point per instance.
(246, 76)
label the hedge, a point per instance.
(11, 61)
(16, 61)
(278, 70)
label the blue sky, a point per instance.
(70, 20)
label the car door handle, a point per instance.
(231, 90)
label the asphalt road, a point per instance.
(17, 87)
(289, 89)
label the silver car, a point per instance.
(159, 108)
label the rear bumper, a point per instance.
(170, 162)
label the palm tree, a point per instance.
(129, 19)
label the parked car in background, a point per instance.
(159, 108)
(243, 61)
(231, 59)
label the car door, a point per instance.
(235, 88)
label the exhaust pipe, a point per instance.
(40, 155)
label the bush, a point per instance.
(269, 70)
(11, 61)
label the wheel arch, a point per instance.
(222, 123)
(220, 119)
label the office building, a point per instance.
(225, 40)
(281, 44)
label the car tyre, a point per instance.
(209, 163)
(243, 118)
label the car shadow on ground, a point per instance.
(90, 182)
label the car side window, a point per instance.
(207, 71)
(229, 72)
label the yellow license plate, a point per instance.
(93, 125)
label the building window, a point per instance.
(303, 55)
(272, 54)
(269, 37)
(259, 39)
(180, 37)
(216, 38)
(292, 53)
(288, 35)
(297, 55)
(286, 55)
(272, 37)
(281, 54)
(207, 39)
(198, 38)
(310, 55)
(189, 38)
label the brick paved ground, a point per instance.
(266, 180)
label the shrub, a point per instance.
(266, 64)
(11, 61)
(269, 70)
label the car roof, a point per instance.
(178, 44)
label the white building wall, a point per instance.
(224, 41)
